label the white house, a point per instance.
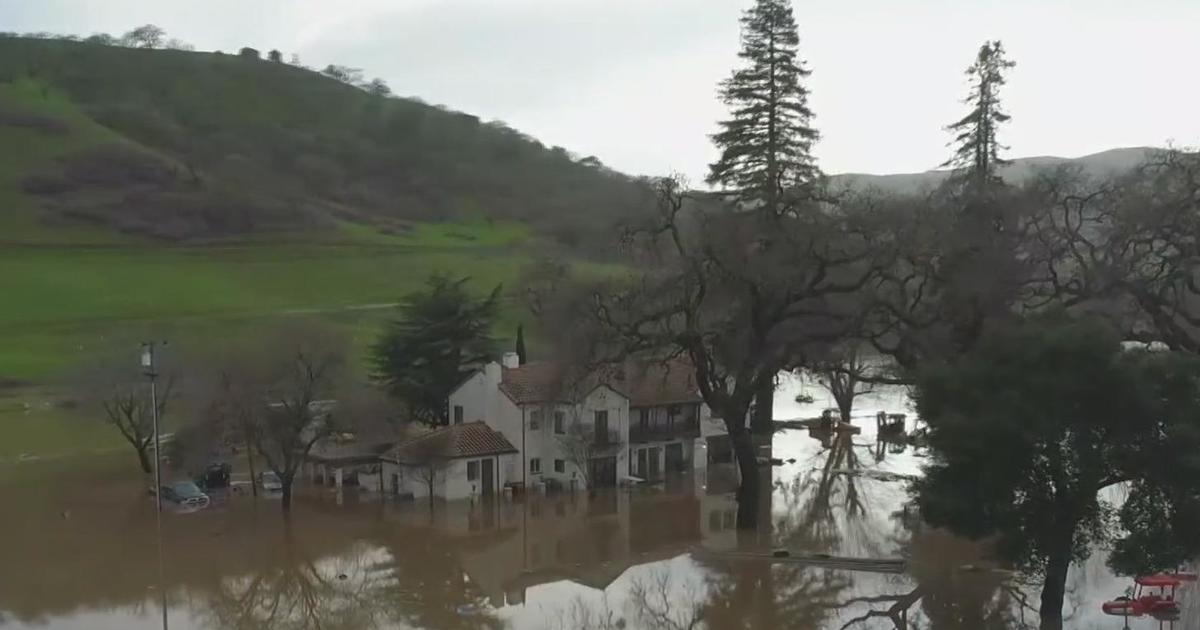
(671, 428)
(590, 430)
(454, 462)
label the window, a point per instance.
(472, 471)
(535, 419)
(535, 465)
(458, 414)
(560, 420)
(560, 466)
(643, 418)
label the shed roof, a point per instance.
(472, 439)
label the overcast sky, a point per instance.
(634, 81)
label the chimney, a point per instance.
(492, 372)
(511, 360)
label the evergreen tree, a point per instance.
(441, 335)
(766, 144)
(1030, 425)
(522, 355)
(977, 151)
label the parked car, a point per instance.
(185, 493)
(216, 475)
(270, 482)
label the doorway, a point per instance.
(603, 472)
(674, 458)
(488, 477)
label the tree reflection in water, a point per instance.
(289, 590)
(362, 588)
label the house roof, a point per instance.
(653, 384)
(472, 439)
(533, 382)
(329, 452)
(645, 384)
(542, 382)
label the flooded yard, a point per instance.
(79, 548)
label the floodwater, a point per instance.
(79, 548)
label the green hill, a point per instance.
(192, 146)
(198, 197)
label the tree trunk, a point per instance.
(144, 459)
(286, 492)
(1055, 588)
(761, 423)
(250, 463)
(748, 487)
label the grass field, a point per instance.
(64, 303)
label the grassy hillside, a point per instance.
(197, 197)
(196, 146)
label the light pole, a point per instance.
(149, 369)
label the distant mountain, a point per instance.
(1105, 163)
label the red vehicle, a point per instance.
(1158, 603)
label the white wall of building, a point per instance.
(451, 481)
(481, 399)
(545, 445)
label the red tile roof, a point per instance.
(473, 439)
(533, 382)
(645, 384)
(653, 384)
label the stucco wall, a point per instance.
(451, 482)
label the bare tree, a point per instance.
(896, 611)
(234, 406)
(658, 607)
(145, 36)
(845, 373)
(739, 294)
(305, 365)
(581, 444)
(275, 395)
(112, 387)
(1129, 249)
(579, 615)
(427, 460)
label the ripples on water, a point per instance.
(78, 550)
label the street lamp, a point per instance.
(149, 369)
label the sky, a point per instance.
(633, 82)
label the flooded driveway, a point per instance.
(79, 549)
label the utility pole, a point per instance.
(150, 370)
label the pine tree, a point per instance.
(977, 152)
(766, 144)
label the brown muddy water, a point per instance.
(79, 549)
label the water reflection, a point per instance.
(79, 552)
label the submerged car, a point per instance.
(185, 493)
(215, 475)
(270, 482)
